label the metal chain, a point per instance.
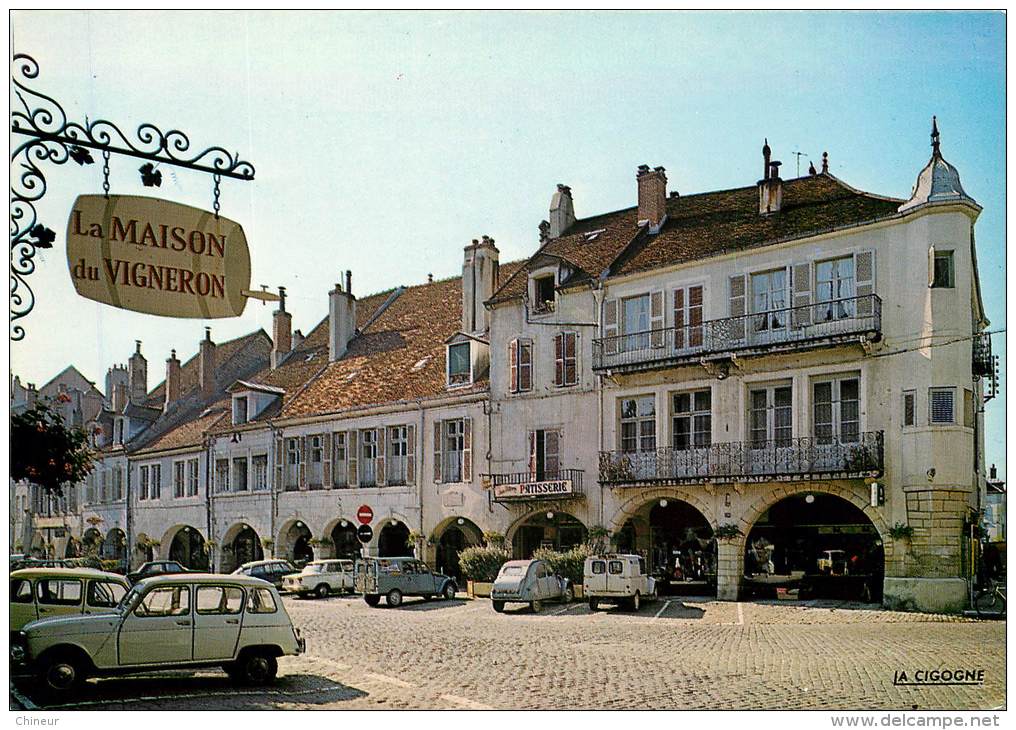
(215, 201)
(105, 173)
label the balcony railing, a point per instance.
(793, 328)
(526, 486)
(982, 361)
(787, 459)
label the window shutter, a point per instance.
(931, 266)
(438, 453)
(467, 449)
(610, 326)
(379, 468)
(736, 328)
(513, 366)
(571, 358)
(352, 457)
(679, 322)
(411, 454)
(656, 319)
(304, 458)
(280, 460)
(551, 463)
(864, 277)
(801, 302)
(525, 365)
(559, 359)
(326, 460)
(532, 454)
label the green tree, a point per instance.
(46, 452)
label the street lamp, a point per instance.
(550, 515)
(810, 499)
(663, 503)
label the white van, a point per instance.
(619, 579)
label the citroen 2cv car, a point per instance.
(183, 621)
(529, 581)
(47, 592)
(395, 578)
(618, 579)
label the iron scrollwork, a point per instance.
(52, 138)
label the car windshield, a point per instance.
(511, 570)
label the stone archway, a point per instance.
(454, 535)
(240, 545)
(186, 545)
(114, 547)
(545, 528)
(293, 542)
(393, 539)
(345, 544)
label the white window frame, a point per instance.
(771, 417)
(694, 416)
(259, 472)
(241, 402)
(368, 457)
(144, 479)
(448, 367)
(193, 476)
(453, 437)
(398, 453)
(640, 420)
(836, 410)
(155, 488)
(179, 479)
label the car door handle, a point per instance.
(232, 620)
(183, 623)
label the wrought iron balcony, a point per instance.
(781, 460)
(982, 362)
(526, 486)
(794, 328)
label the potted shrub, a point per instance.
(727, 531)
(568, 564)
(481, 565)
(899, 531)
(598, 538)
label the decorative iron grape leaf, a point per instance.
(150, 177)
(80, 155)
(43, 236)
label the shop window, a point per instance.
(941, 405)
(944, 274)
(692, 420)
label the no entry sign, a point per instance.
(365, 514)
(365, 533)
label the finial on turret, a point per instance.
(934, 136)
(825, 162)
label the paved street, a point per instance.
(682, 653)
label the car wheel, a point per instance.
(256, 668)
(449, 591)
(498, 606)
(394, 598)
(568, 596)
(537, 606)
(322, 591)
(636, 602)
(62, 674)
(593, 604)
(371, 599)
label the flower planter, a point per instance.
(578, 591)
(475, 589)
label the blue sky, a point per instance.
(385, 142)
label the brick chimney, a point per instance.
(282, 331)
(652, 196)
(562, 211)
(479, 279)
(206, 364)
(172, 379)
(137, 375)
(341, 319)
(770, 187)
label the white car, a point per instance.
(619, 579)
(321, 578)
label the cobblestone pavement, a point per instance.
(675, 654)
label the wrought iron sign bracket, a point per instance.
(52, 138)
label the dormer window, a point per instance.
(459, 365)
(543, 294)
(239, 410)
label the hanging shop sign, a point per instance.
(533, 490)
(158, 257)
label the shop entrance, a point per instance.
(814, 545)
(455, 538)
(347, 545)
(244, 548)
(392, 542)
(678, 544)
(188, 549)
(552, 530)
(296, 544)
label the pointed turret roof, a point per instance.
(939, 182)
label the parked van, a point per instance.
(618, 579)
(45, 592)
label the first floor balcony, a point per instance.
(527, 486)
(822, 324)
(783, 459)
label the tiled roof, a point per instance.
(708, 224)
(190, 432)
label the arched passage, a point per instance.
(186, 545)
(546, 529)
(820, 544)
(294, 542)
(241, 545)
(115, 545)
(345, 543)
(392, 540)
(91, 541)
(453, 536)
(73, 549)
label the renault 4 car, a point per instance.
(395, 578)
(46, 592)
(183, 621)
(529, 581)
(617, 579)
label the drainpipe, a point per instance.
(598, 295)
(127, 521)
(213, 553)
(420, 441)
(273, 488)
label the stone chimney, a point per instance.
(770, 187)
(115, 376)
(172, 379)
(341, 319)
(479, 279)
(137, 375)
(562, 211)
(282, 331)
(297, 338)
(206, 364)
(652, 196)
(120, 397)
